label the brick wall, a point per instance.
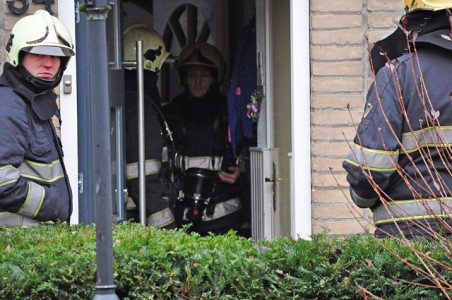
(340, 77)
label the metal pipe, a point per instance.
(119, 115)
(141, 131)
(120, 173)
(101, 190)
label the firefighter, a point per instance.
(158, 210)
(210, 176)
(34, 186)
(399, 165)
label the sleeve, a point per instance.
(373, 156)
(15, 190)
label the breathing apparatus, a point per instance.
(198, 188)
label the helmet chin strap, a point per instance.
(41, 84)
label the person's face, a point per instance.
(198, 80)
(42, 66)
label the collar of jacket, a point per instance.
(43, 103)
(425, 24)
(440, 38)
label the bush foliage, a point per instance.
(59, 262)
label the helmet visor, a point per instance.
(49, 50)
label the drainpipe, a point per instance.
(101, 190)
(301, 217)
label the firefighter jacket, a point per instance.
(400, 163)
(200, 128)
(34, 186)
(158, 210)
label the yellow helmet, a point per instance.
(411, 5)
(154, 49)
(40, 33)
(201, 54)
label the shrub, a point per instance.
(58, 262)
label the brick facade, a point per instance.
(340, 77)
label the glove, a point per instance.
(364, 202)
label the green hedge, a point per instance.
(59, 262)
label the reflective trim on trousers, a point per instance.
(161, 218)
(404, 210)
(8, 174)
(42, 172)
(151, 167)
(222, 209)
(35, 197)
(7, 218)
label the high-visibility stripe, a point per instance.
(440, 136)
(204, 162)
(151, 167)
(222, 209)
(377, 160)
(165, 154)
(380, 160)
(42, 172)
(404, 210)
(33, 202)
(7, 218)
(8, 174)
(161, 218)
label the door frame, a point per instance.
(68, 105)
(300, 177)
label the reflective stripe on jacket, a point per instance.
(7, 218)
(204, 162)
(403, 140)
(158, 211)
(151, 167)
(33, 183)
(419, 209)
(161, 218)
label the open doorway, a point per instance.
(220, 23)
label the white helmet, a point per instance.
(40, 33)
(154, 49)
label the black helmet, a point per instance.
(201, 54)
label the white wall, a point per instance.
(68, 104)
